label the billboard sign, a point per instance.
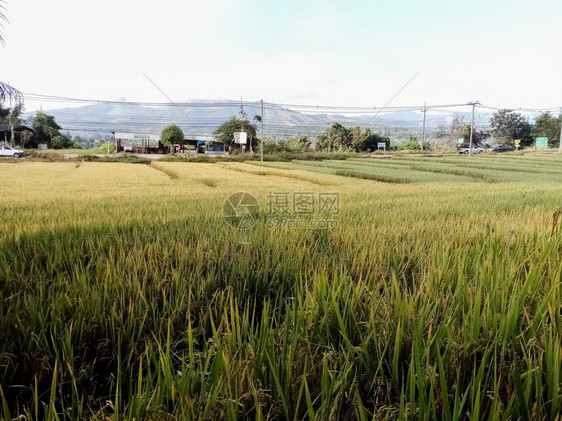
(240, 137)
(541, 142)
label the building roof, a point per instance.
(156, 137)
(8, 128)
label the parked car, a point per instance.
(501, 148)
(8, 151)
(465, 148)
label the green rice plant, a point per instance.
(124, 294)
(382, 178)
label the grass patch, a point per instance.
(127, 159)
(301, 176)
(169, 172)
(209, 182)
(375, 177)
(452, 171)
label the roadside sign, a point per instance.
(240, 137)
(517, 140)
(381, 144)
(542, 142)
(461, 139)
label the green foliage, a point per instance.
(225, 133)
(11, 115)
(339, 138)
(548, 126)
(293, 145)
(274, 146)
(464, 131)
(172, 135)
(336, 138)
(63, 142)
(108, 147)
(76, 143)
(46, 130)
(413, 144)
(60, 142)
(508, 125)
(368, 141)
(298, 144)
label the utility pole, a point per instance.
(423, 127)
(242, 115)
(261, 143)
(560, 143)
(11, 119)
(472, 126)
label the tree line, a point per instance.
(335, 138)
(44, 130)
(505, 127)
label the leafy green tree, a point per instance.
(369, 141)
(62, 142)
(225, 133)
(14, 113)
(464, 132)
(11, 117)
(337, 137)
(46, 130)
(172, 135)
(297, 144)
(478, 137)
(548, 126)
(508, 125)
(271, 147)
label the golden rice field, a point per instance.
(410, 288)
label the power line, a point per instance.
(311, 109)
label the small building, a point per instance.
(138, 142)
(150, 143)
(21, 134)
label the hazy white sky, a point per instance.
(505, 53)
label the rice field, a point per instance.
(410, 288)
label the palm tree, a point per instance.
(2, 18)
(10, 94)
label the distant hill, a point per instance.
(203, 117)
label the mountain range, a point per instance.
(203, 117)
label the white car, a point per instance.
(8, 151)
(465, 148)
